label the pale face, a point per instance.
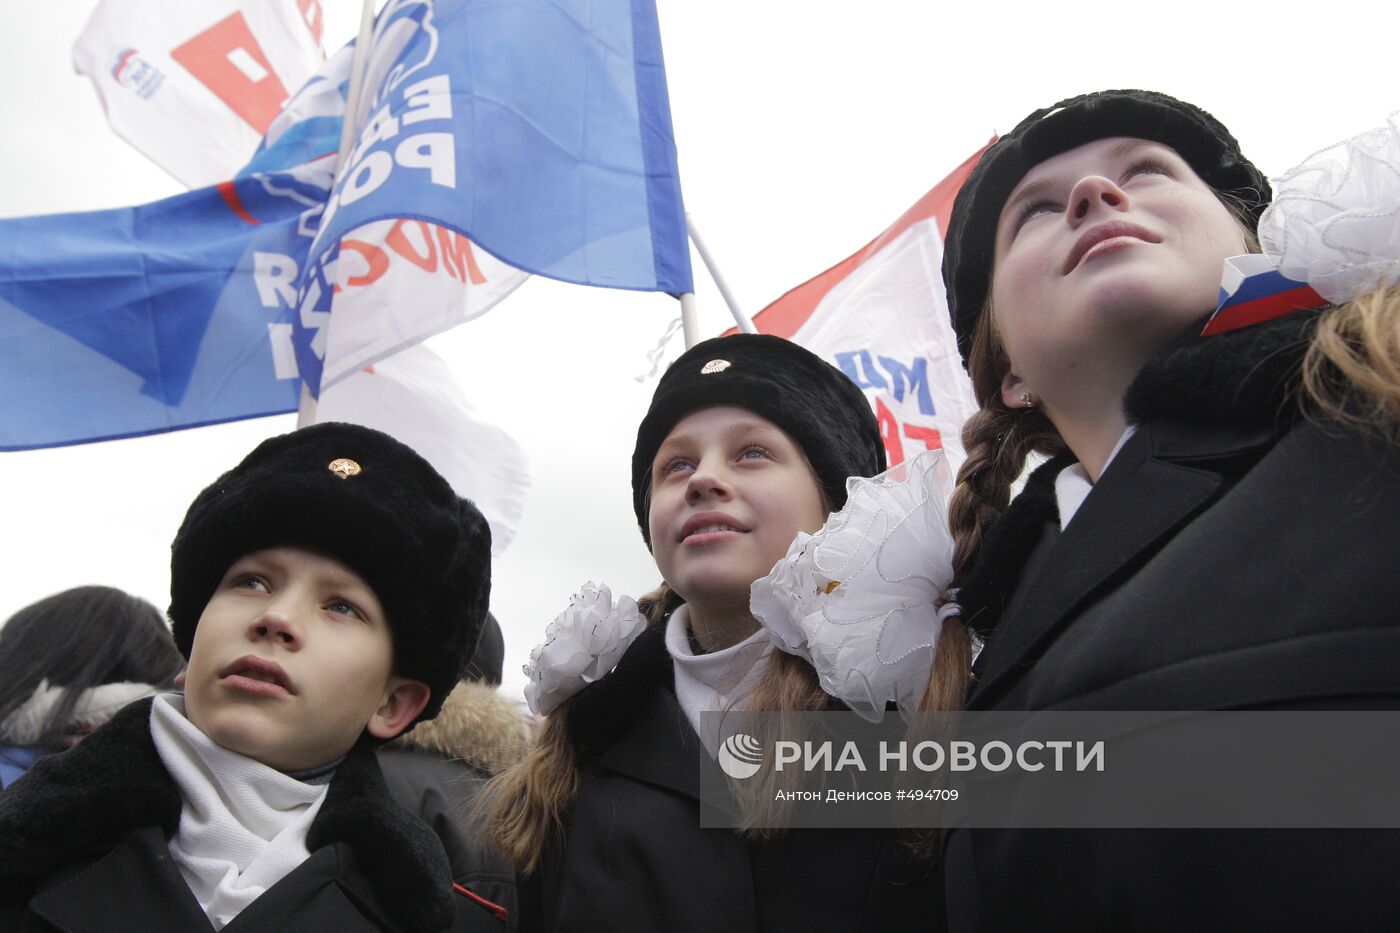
(1104, 255)
(729, 492)
(293, 659)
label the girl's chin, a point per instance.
(1139, 304)
(728, 596)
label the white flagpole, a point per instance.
(740, 318)
(359, 63)
(690, 327)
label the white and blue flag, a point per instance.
(539, 130)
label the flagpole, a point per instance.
(359, 63)
(690, 327)
(740, 318)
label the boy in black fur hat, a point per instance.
(327, 593)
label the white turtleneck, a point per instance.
(715, 681)
(243, 825)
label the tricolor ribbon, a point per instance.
(1253, 290)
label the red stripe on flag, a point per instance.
(229, 193)
(1263, 309)
(787, 314)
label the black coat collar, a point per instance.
(1007, 545)
(660, 747)
(82, 803)
(1246, 376)
(1204, 406)
(631, 723)
(605, 709)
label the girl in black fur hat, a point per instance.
(749, 440)
(1216, 526)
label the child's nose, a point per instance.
(1094, 192)
(276, 626)
(706, 481)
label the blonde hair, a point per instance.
(520, 809)
(1351, 372)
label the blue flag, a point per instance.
(541, 130)
(146, 319)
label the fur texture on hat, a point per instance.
(814, 402)
(1197, 137)
(425, 551)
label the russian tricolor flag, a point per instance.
(1253, 290)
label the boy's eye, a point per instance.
(756, 452)
(344, 607)
(249, 581)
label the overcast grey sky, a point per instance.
(804, 128)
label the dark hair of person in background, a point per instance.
(78, 639)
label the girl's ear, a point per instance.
(403, 700)
(1013, 390)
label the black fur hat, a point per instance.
(370, 502)
(814, 402)
(1198, 137)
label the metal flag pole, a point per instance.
(744, 322)
(689, 326)
(359, 64)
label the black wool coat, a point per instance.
(437, 768)
(1234, 555)
(633, 856)
(83, 850)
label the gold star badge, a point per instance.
(714, 366)
(345, 468)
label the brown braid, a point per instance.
(998, 441)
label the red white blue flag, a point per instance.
(1253, 290)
